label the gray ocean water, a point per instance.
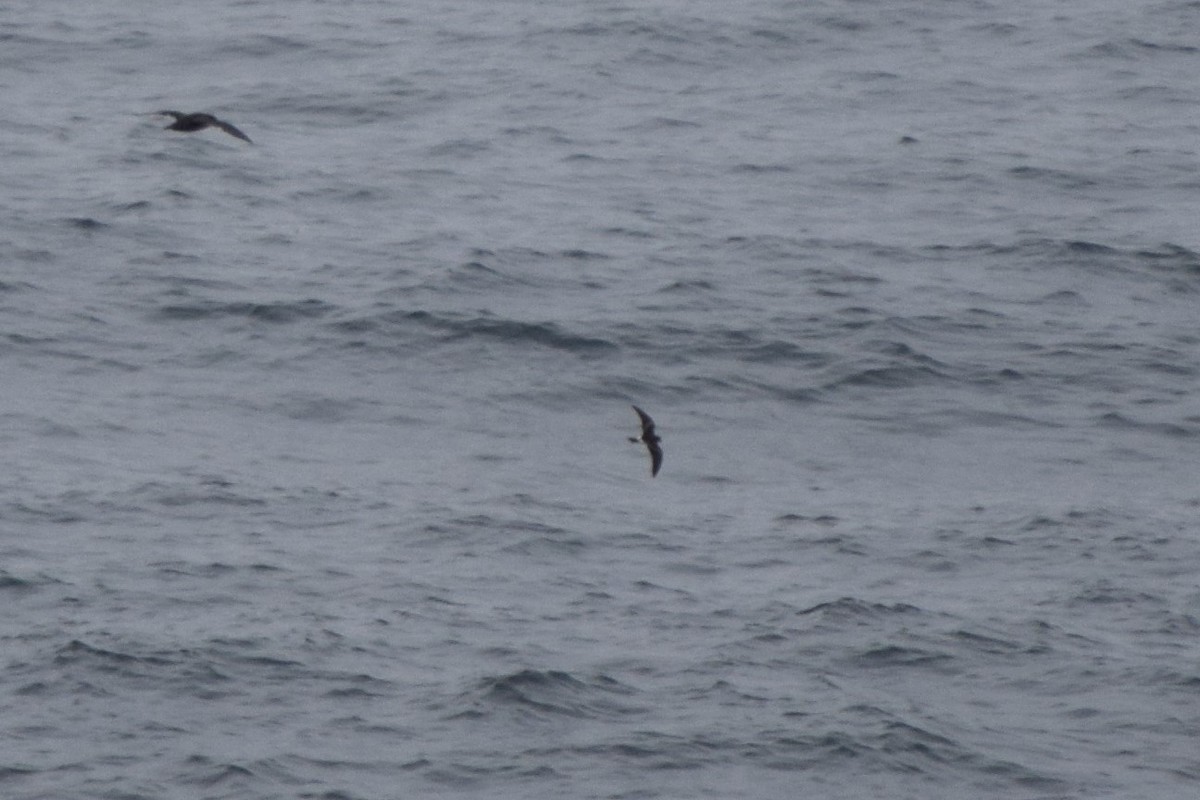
(317, 477)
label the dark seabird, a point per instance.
(650, 439)
(190, 123)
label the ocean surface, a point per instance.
(317, 476)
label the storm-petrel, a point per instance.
(190, 123)
(650, 439)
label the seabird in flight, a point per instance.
(189, 123)
(650, 439)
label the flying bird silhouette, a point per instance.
(190, 123)
(650, 439)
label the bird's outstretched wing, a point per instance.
(647, 423)
(651, 440)
(232, 131)
(655, 457)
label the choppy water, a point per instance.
(317, 483)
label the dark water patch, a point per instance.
(554, 545)
(1033, 250)
(781, 352)
(217, 492)
(79, 652)
(890, 363)
(854, 318)
(356, 692)
(264, 45)
(843, 545)
(26, 256)
(587, 159)
(190, 502)
(993, 419)
(991, 645)
(836, 282)
(906, 747)
(688, 286)
(335, 110)
(203, 771)
(549, 694)
(276, 312)
(267, 666)
(790, 519)
(1063, 297)
(10, 773)
(1180, 624)
(1085, 248)
(867, 740)
(896, 377)
(335, 193)
(661, 124)
(716, 480)
(35, 689)
(511, 332)
(770, 248)
(1176, 265)
(851, 609)
(1171, 257)
(936, 327)
(654, 750)
(517, 269)
(545, 132)
(1105, 592)
(1083, 519)
(1066, 180)
(473, 776)
(930, 561)
(584, 255)
(762, 169)
(78, 665)
(630, 233)
(213, 569)
(333, 794)
(839, 286)
(358, 686)
(999, 377)
(1116, 49)
(172, 257)
(1185, 680)
(13, 585)
(86, 223)
(891, 656)
(749, 346)
(316, 408)
(60, 511)
(1117, 421)
(1169, 362)
(458, 149)
(1164, 47)
(477, 274)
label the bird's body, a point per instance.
(651, 440)
(190, 123)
